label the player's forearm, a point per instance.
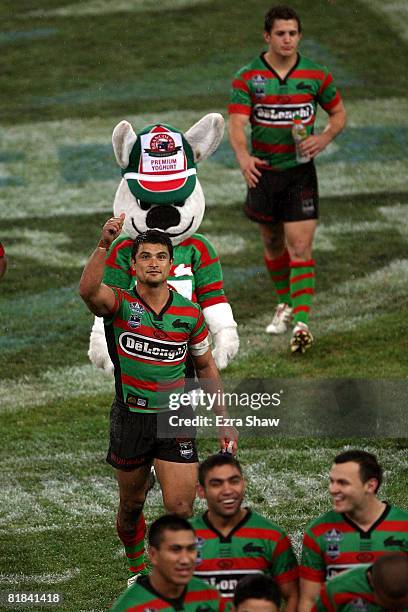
(238, 140)
(92, 275)
(335, 124)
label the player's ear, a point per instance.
(372, 485)
(200, 491)
(152, 555)
(267, 36)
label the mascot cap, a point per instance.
(161, 166)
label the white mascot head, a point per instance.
(160, 188)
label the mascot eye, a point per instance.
(144, 205)
(180, 203)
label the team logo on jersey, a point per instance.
(251, 548)
(259, 83)
(186, 449)
(225, 564)
(200, 544)
(303, 85)
(152, 350)
(359, 604)
(333, 535)
(277, 114)
(136, 400)
(333, 551)
(396, 542)
(136, 309)
(178, 323)
(365, 557)
(134, 321)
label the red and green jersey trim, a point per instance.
(333, 543)
(256, 545)
(272, 102)
(198, 596)
(149, 349)
(196, 271)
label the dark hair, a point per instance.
(257, 586)
(368, 464)
(168, 522)
(153, 237)
(280, 12)
(215, 461)
(389, 575)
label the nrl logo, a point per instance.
(162, 145)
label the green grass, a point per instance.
(66, 81)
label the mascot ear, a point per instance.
(123, 139)
(205, 135)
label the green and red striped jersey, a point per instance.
(148, 350)
(196, 271)
(256, 545)
(2, 252)
(349, 592)
(272, 103)
(198, 596)
(333, 543)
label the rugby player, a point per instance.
(383, 586)
(282, 194)
(358, 530)
(234, 541)
(3, 261)
(170, 585)
(148, 330)
(256, 593)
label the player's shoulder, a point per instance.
(180, 300)
(327, 519)
(305, 63)
(397, 513)
(255, 64)
(259, 521)
(197, 585)
(197, 521)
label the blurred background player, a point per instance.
(170, 584)
(383, 586)
(234, 541)
(139, 325)
(359, 529)
(282, 194)
(257, 593)
(3, 261)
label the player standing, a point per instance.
(359, 529)
(148, 330)
(234, 541)
(282, 194)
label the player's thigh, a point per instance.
(178, 483)
(299, 238)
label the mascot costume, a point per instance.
(160, 190)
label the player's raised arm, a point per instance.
(100, 298)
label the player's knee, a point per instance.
(300, 250)
(130, 510)
(182, 508)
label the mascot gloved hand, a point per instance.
(160, 190)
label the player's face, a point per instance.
(224, 490)
(174, 560)
(257, 605)
(152, 264)
(283, 39)
(349, 493)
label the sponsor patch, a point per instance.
(333, 551)
(153, 350)
(137, 401)
(134, 321)
(277, 114)
(259, 83)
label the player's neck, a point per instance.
(367, 516)
(226, 524)
(164, 587)
(282, 65)
(155, 297)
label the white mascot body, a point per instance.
(160, 190)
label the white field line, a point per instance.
(100, 7)
(48, 578)
(48, 248)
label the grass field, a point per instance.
(70, 72)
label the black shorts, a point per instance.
(134, 440)
(289, 195)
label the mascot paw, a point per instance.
(226, 344)
(98, 350)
